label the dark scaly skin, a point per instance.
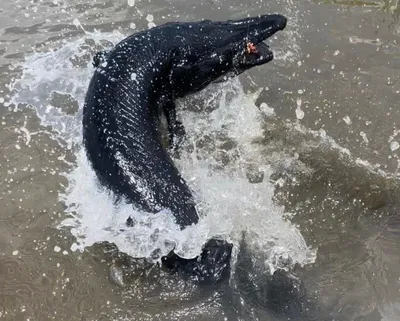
(138, 80)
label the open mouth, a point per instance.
(256, 54)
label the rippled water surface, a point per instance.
(295, 162)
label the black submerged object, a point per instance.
(211, 266)
(138, 80)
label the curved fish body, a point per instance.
(138, 80)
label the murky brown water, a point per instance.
(331, 150)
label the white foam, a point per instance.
(53, 71)
(230, 203)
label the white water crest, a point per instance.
(216, 161)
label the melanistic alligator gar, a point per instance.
(138, 80)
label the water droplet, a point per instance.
(150, 18)
(299, 114)
(266, 109)
(57, 249)
(116, 275)
(364, 137)
(347, 120)
(131, 3)
(394, 145)
(298, 102)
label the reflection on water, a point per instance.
(297, 165)
(351, 3)
(390, 8)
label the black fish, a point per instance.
(137, 81)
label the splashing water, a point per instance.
(230, 203)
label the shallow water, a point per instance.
(295, 162)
